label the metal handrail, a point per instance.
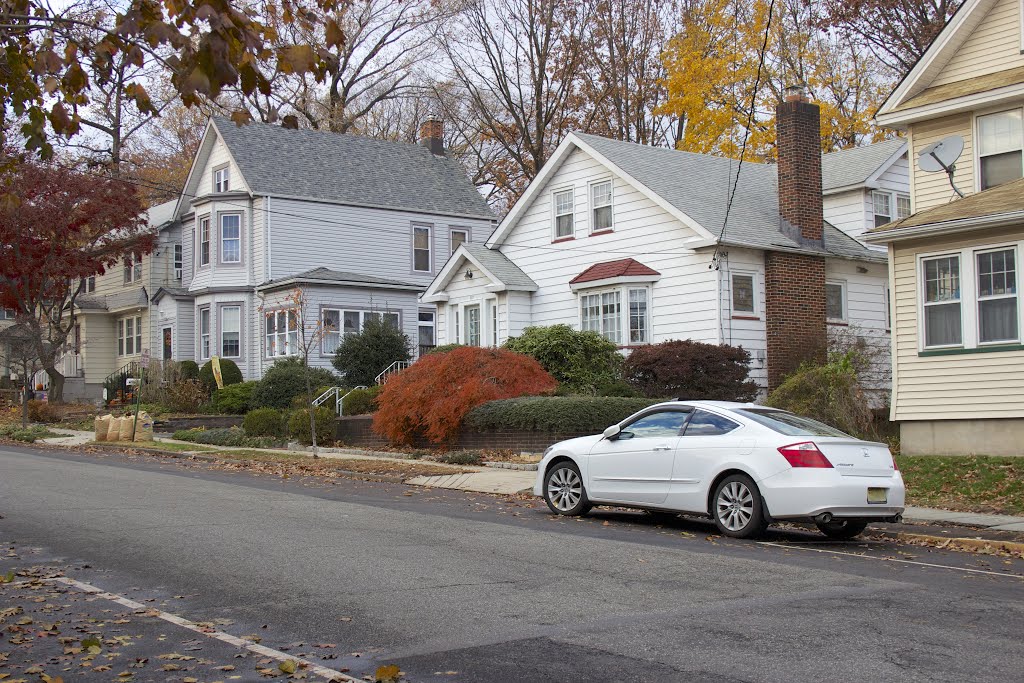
(339, 406)
(341, 401)
(391, 369)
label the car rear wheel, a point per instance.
(842, 529)
(737, 507)
(563, 490)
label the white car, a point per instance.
(741, 464)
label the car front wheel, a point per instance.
(842, 530)
(563, 490)
(737, 507)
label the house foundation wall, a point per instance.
(963, 437)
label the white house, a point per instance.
(622, 239)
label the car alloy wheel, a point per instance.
(737, 507)
(564, 492)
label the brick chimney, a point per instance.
(432, 135)
(795, 283)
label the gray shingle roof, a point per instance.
(350, 169)
(501, 267)
(698, 185)
(161, 213)
(854, 166)
(327, 276)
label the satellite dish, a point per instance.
(942, 156)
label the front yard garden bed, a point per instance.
(975, 483)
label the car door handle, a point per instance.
(662, 448)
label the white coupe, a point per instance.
(741, 464)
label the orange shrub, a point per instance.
(430, 398)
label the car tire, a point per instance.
(564, 491)
(842, 529)
(737, 509)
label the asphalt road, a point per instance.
(464, 587)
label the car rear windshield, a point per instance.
(789, 424)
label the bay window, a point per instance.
(231, 331)
(563, 208)
(204, 241)
(204, 333)
(1000, 142)
(338, 323)
(620, 315)
(997, 296)
(282, 333)
(231, 238)
(942, 311)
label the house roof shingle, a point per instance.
(501, 267)
(323, 275)
(698, 185)
(852, 167)
(349, 169)
(622, 268)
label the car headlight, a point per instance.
(547, 451)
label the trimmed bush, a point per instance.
(232, 436)
(186, 396)
(188, 369)
(361, 357)
(285, 380)
(263, 422)
(829, 393)
(559, 414)
(430, 398)
(690, 370)
(298, 426)
(229, 373)
(361, 401)
(582, 361)
(233, 398)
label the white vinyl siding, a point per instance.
(932, 189)
(601, 210)
(422, 249)
(562, 203)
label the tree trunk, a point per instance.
(312, 408)
(26, 388)
(56, 393)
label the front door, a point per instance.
(636, 466)
(168, 351)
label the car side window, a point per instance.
(704, 423)
(665, 423)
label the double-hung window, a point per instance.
(602, 313)
(563, 208)
(421, 256)
(997, 296)
(835, 301)
(230, 238)
(230, 331)
(204, 241)
(902, 206)
(881, 203)
(282, 333)
(601, 206)
(132, 268)
(129, 336)
(204, 333)
(177, 261)
(426, 329)
(221, 179)
(1000, 143)
(459, 237)
(942, 309)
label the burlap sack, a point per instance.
(144, 428)
(127, 431)
(102, 425)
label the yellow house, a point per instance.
(954, 264)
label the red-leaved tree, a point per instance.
(58, 225)
(431, 397)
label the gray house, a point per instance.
(360, 226)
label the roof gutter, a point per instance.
(946, 227)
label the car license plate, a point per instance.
(877, 495)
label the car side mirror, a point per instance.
(612, 432)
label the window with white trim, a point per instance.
(338, 323)
(230, 331)
(204, 333)
(455, 326)
(492, 305)
(231, 238)
(1000, 145)
(601, 206)
(87, 285)
(458, 238)
(473, 326)
(204, 241)
(177, 261)
(129, 336)
(562, 205)
(620, 315)
(997, 296)
(881, 203)
(132, 268)
(426, 329)
(282, 333)
(421, 251)
(902, 206)
(942, 310)
(221, 179)
(743, 301)
(835, 301)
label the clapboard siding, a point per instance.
(995, 45)
(738, 329)
(932, 189)
(896, 177)
(970, 385)
(848, 211)
(219, 156)
(683, 299)
(866, 319)
(99, 346)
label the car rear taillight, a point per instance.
(804, 455)
(895, 465)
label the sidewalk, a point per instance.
(508, 481)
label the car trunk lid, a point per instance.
(854, 458)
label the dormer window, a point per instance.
(221, 179)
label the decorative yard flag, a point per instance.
(215, 366)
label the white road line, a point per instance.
(890, 559)
(323, 671)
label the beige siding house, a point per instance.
(958, 358)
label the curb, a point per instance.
(1013, 547)
(526, 467)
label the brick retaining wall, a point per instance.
(357, 430)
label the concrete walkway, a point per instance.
(489, 481)
(994, 522)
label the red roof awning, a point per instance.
(611, 269)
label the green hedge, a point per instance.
(264, 422)
(361, 401)
(565, 414)
(298, 426)
(233, 398)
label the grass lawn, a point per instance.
(157, 445)
(965, 483)
(305, 464)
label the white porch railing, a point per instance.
(335, 392)
(397, 366)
